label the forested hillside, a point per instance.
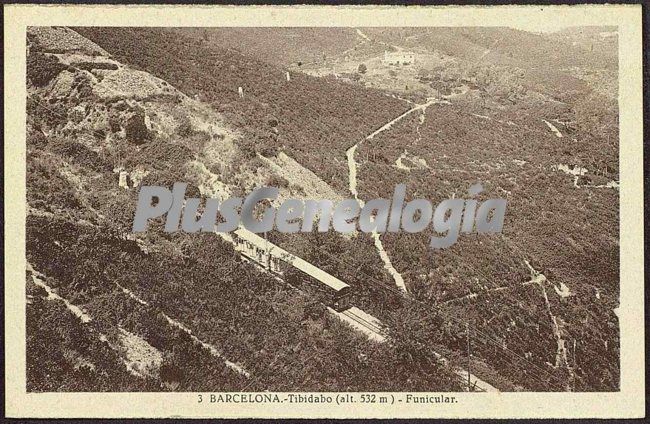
(116, 108)
(162, 312)
(563, 226)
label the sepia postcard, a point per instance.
(324, 212)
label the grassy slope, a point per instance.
(567, 233)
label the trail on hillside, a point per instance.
(362, 35)
(175, 323)
(553, 128)
(352, 185)
(37, 278)
(561, 359)
(85, 318)
(138, 356)
(536, 278)
(577, 172)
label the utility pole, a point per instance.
(469, 359)
(267, 255)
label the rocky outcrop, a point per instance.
(140, 124)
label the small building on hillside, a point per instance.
(399, 58)
(124, 180)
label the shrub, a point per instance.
(53, 113)
(267, 150)
(185, 128)
(114, 124)
(136, 130)
(41, 68)
(36, 138)
(80, 155)
(89, 66)
(278, 181)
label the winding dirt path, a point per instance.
(352, 184)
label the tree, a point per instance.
(136, 129)
(41, 69)
(362, 68)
